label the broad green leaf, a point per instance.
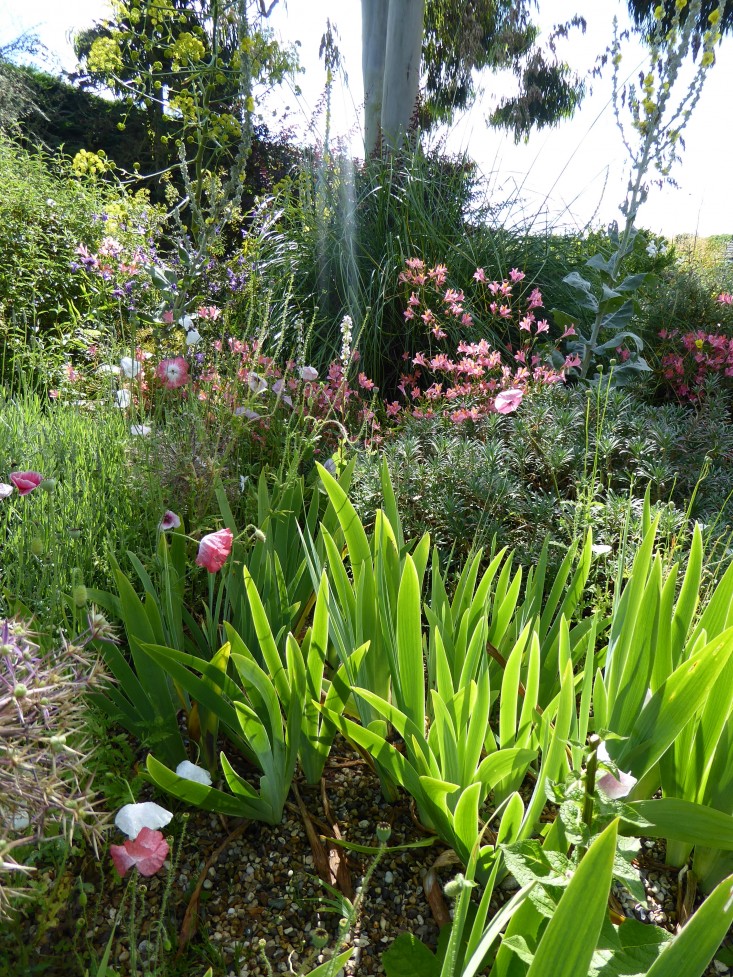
(201, 796)
(566, 949)
(673, 705)
(685, 821)
(408, 956)
(410, 679)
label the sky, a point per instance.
(571, 175)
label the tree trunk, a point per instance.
(392, 32)
(373, 51)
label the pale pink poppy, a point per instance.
(169, 521)
(614, 787)
(507, 401)
(148, 852)
(308, 373)
(214, 549)
(25, 482)
(173, 372)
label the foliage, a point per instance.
(183, 61)
(52, 541)
(44, 214)
(567, 460)
(59, 118)
(460, 39)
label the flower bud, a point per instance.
(384, 830)
(37, 546)
(79, 595)
(319, 937)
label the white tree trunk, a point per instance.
(373, 51)
(392, 32)
(402, 68)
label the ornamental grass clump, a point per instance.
(45, 787)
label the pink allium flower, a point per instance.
(507, 401)
(25, 482)
(214, 549)
(172, 373)
(148, 852)
(169, 521)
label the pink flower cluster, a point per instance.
(478, 380)
(702, 354)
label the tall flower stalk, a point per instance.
(659, 115)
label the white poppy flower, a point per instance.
(130, 367)
(132, 818)
(5, 490)
(141, 429)
(124, 399)
(308, 373)
(614, 787)
(109, 368)
(600, 549)
(193, 336)
(256, 384)
(189, 771)
(187, 322)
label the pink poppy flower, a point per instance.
(148, 852)
(507, 401)
(169, 521)
(214, 549)
(167, 317)
(173, 372)
(25, 482)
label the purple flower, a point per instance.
(169, 521)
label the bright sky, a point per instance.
(573, 173)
